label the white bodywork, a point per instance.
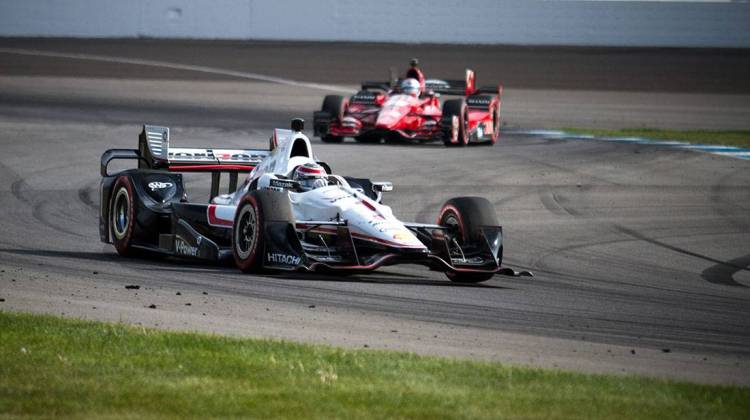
(338, 202)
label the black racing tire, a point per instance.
(247, 235)
(122, 216)
(467, 214)
(336, 106)
(459, 133)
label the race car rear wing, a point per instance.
(154, 152)
(466, 87)
(384, 86)
(153, 145)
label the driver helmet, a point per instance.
(410, 87)
(310, 176)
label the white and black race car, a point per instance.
(290, 213)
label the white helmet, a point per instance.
(310, 176)
(410, 87)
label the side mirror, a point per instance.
(380, 187)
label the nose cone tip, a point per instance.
(386, 121)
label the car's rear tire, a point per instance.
(455, 122)
(335, 105)
(467, 215)
(122, 216)
(247, 235)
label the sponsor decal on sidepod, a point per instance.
(156, 185)
(183, 248)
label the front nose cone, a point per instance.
(386, 120)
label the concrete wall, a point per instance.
(525, 22)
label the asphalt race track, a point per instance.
(641, 253)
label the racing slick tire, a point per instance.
(455, 122)
(248, 241)
(335, 106)
(247, 235)
(122, 216)
(467, 214)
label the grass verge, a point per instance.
(724, 138)
(53, 367)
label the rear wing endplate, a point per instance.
(466, 87)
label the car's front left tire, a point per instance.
(247, 235)
(335, 106)
(455, 122)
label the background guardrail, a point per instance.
(516, 22)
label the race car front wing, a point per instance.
(285, 251)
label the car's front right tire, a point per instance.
(465, 216)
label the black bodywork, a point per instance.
(164, 222)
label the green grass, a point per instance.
(726, 138)
(51, 367)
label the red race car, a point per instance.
(410, 109)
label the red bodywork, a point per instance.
(391, 114)
(405, 115)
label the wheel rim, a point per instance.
(451, 221)
(121, 213)
(455, 124)
(246, 234)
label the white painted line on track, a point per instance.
(175, 66)
(714, 149)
